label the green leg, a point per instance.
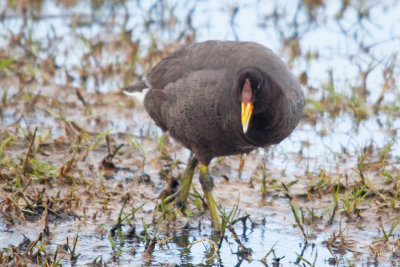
(206, 184)
(187, 181)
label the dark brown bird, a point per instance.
(221, 98)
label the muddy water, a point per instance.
(329, 141)
(272, 219)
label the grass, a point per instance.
(72, 251)
(55, 118)
(271, 250)
(213, 250)
(297, 213)
(387, 234)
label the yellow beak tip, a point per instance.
(246, 115)
(245, 128)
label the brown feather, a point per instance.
(195, 94)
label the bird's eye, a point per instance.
(256, 85)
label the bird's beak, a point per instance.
(247, 109)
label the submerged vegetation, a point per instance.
(87, 178)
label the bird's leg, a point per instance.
(206, 184)
(187, 181)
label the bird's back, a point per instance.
(192, 96)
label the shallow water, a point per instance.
(351, 47)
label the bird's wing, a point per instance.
(168, 70)
(210, 55)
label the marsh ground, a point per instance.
(72, 195)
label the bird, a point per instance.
(221, 98)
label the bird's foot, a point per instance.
(206, 184)
(173, 202)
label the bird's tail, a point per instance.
(134, 88)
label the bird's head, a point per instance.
(249, 90)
